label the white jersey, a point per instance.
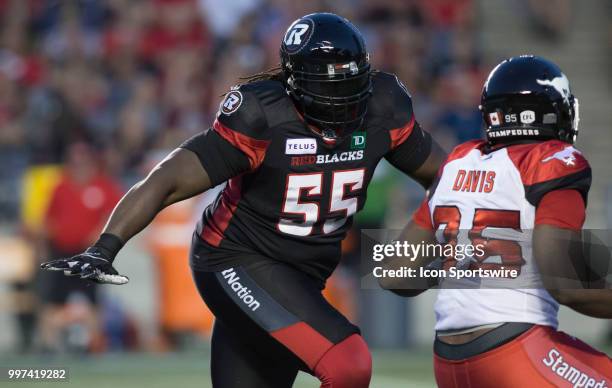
(491, 199)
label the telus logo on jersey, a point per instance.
(242, 292)
(578, 378)
(474, 181)
(303, 146)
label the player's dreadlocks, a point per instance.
(275, 74)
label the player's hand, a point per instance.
(91, 264)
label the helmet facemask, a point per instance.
(335, 103)
(327, 73)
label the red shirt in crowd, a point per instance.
(78, 211)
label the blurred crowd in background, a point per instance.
(92, 93)
(135, 77)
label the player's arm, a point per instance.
(202, 162)
(412, 149)
(179, 176)
(419, 156)
(409, 286)
(559, 254)
(206, 160)
(419, 231)
(426, 173)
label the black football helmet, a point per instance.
(528, 97)
(327, 72)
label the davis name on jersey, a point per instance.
(490, 197)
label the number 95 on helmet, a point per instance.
(528, 97)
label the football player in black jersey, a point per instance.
(297, 147)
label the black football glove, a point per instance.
(94, 264)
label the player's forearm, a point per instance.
(138, 208)
(409, 286)
(560, 257)
(406, 287)
(594, 303)
(426, 173)
(179, 176)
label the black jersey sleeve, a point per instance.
(238, 139)
(242, 122)
(220, 159)
(409, 155)
(409, 145)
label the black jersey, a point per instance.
(289, 195)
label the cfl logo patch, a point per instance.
(232, 102)
(297, 35)
(527, 116)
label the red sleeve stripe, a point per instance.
(536, 162)
(463, 149)
(303, 341)
(214, 229)
(399, 135)
(254, 149)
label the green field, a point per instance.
(392, 369)
(190, 370)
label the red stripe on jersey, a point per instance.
(458, 152)
(214, 228)
(254, 149)
(303, 341)
(562, 208)
(545, 161)
(399, 135)
(464, 148)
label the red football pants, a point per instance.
(540, 357)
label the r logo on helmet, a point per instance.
(297, 35)
(232, 102)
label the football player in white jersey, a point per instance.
(527, 185)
